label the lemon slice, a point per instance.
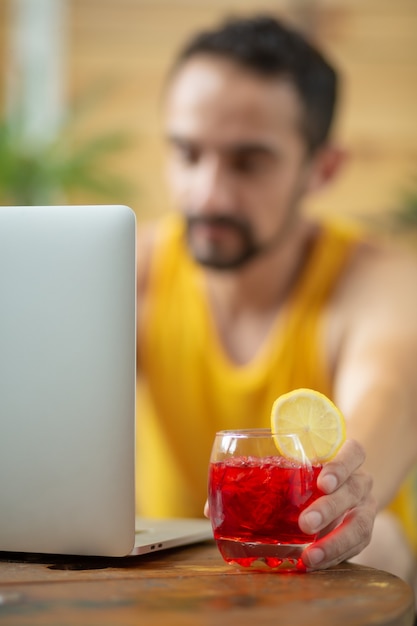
(318, 424)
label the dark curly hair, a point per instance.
(266, 46)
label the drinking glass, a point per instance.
(256, 496)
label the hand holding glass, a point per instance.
(256, 496)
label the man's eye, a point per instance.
(252, 162)
(249, 164)
(187, 154)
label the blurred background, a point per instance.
(80, 98)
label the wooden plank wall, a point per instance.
(3, 61)
(130, 43)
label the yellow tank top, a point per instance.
(190, 389)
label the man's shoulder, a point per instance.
(371, 253)
(375, 257)
(152, 235)
(145, 242)
(379, 274)
(375, 299)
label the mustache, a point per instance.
(225, 221)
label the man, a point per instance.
(242, 297)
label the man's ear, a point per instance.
(325, 166)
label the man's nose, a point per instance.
(213, 190)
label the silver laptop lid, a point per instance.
(67, 379)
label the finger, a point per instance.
(206, 509)
(329, 509)
(335, 472)
(344, 542)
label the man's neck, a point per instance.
(266, 281)
(245, 303)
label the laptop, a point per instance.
(67, 386)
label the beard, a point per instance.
(216, 252)
(234, 248)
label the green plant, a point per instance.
(48, 173)
(405, 217)
(398, 222)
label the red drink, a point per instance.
(254, 508)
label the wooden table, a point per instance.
(192, 587)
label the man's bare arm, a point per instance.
(375, 382)
(376, 373)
